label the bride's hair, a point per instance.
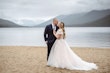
(63, 28)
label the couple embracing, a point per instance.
(59, 54)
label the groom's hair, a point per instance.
(55, 19)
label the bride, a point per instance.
(61, 55)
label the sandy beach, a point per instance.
(29, 59)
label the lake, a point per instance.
(75, 36)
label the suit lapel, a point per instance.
(57, 28)
(51, 26)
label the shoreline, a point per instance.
(46, 47)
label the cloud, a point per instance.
(45, 9)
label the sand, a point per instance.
(29, 59)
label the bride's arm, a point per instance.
(56, 35)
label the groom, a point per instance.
(49, 36)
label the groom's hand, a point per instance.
(54, 31)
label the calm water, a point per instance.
(75, 36)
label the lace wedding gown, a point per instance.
(61, 56)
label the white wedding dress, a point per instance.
(61, 56)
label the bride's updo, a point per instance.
(63, 28)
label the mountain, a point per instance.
(62, 18)
(83, 19)
(44, 23)
(99, 23)
(80, 19)
(7, 23)
(29, 22)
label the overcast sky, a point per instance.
(40, 10)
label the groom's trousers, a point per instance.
(49, 45)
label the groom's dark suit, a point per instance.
(49, 37)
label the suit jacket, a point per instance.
(48, 34)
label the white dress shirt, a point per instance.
(53, 26)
